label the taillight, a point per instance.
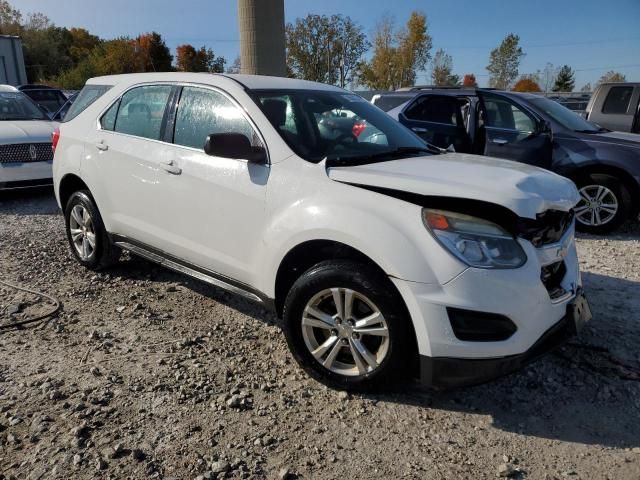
(55, 136)
(358, 128)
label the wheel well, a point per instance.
(628, 181)
(68, 185)
(304, 256)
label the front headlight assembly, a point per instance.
(477, 242)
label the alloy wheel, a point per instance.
(598, 205)
(82, 232)
(345, 332)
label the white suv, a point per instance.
(384, 257)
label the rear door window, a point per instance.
(202, 112)
(88, 95)
(142, 111)
(617, 100)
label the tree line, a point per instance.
(323, 48)
(67, 57)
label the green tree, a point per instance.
(612, 76)
(10, 19)
(566, 80)
(82, 43)
(397, 55)
(325, 49)
(441, 74)
(504, 62)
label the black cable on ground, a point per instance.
(54, 311)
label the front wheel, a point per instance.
(604, 204)
(347, 326)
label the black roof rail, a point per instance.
(443, 87)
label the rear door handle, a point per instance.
(171, 167)
(102, 146)
(419, 130)
(499, 141)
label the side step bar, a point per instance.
(210, 278)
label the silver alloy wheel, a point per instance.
(598, 205)
(82, 232)
(345, 331)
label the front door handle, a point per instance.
(419, 130)
(499, 141)
(103, 147)
(171, 167)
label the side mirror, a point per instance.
(234, 145)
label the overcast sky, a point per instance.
(592, 36)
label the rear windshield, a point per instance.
(51, 99)
(88, 95)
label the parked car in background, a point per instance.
(535, 130)
(25, 141)
(383, 256)
(616, 106)
(62, 111)
(51, 99)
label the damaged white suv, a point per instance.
(385, 257)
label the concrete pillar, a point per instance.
(262, 38)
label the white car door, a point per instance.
(213, 210)
(128, 153)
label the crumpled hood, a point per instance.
(26, 131)
(523, 189)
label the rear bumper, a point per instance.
(446, 372)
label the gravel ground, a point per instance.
(148, 374)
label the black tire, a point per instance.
(619, 191)
(366, 280)
(104, 253)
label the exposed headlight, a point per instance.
(477, 242)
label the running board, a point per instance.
(180, 268)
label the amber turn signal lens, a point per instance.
(436, 221)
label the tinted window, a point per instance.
(320, 124)
(562, 115)
(52, 100)
(142, 110)
(500, 113)
(617, 100)
(88, 95)
(389, 102)
(202, 112)
(444, 110)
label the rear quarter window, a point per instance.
(617, 100)
(88, 95)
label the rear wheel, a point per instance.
(604, 204)
(347, 327)
(86, 233)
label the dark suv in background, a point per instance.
(530, 129)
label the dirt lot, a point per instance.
(148, 374)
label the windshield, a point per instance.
(564, 116)
(17, 106)
(336, 125)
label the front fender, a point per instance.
(387, 230)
